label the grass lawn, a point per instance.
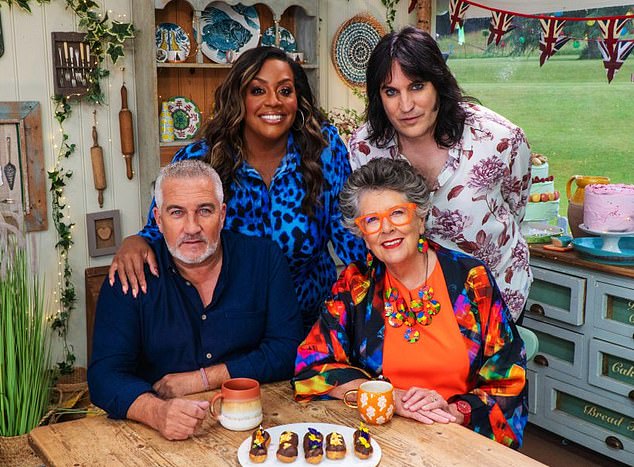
(567, 108)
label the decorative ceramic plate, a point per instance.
(536, 232)
(187, 117)
(301, 429)
(225, 28)
(592, 249)
(351, 48)
(172, 38)
(287, 40)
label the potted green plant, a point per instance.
(25, 373)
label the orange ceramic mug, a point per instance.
(241, 407)
(374, 400)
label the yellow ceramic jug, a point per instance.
(575, 200)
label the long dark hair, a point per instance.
(224, 130)
(420, 59)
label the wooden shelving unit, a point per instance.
(198, 77)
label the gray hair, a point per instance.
(383, 174)
(187, 169)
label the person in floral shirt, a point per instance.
(476, 162)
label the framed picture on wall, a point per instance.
(104, 232)
(22, 173)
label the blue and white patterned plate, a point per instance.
(228, 28)
(171, 37)
(287, 40)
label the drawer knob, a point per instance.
(540, 360)
(614, 442)
(537, 309)
(631, 394)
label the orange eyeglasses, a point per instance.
(371, 223)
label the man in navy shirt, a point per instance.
(222, 306)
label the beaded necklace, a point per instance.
(420, 310)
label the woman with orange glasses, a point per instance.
(429, 319)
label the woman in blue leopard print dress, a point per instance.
(282, 167)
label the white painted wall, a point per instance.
(26, 75)
(334, 93)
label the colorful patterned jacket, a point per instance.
(347, 343)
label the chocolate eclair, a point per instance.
(335, 446)
(260, 440)
(287, 450)
(361, 439)
(313, 446)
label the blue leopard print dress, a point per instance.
(275, 213)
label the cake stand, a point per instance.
(610, 239)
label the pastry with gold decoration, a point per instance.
(287, 450)
(335, 446)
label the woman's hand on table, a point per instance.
(423, 405)
(128, 263)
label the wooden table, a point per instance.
(99, 441)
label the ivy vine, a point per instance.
(106, 39)
(390, 12)
(58, 177)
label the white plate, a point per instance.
(301, 429)
(226, 28)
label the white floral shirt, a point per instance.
(480, 199)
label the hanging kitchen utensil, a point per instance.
(126, 130)
(9, 169)
(96, 156)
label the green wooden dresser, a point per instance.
(582, 378)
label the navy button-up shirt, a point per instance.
(252, 324)
(275, 212)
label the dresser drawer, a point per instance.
(556, 296)
(599, 423)
(612, 369)
(560, 351)
(611, 308)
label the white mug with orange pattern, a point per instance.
(374, 401)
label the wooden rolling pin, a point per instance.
(96, 156)
(126, 131)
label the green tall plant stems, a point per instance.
(25, 375)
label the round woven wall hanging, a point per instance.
(351, 48)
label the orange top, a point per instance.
(439, 359)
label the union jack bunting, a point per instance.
(551, 38)
(610, 30)
(614, 57)
(457, 10)
(500, 25)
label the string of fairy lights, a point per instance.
(105, 37)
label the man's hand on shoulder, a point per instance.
(175, 419)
